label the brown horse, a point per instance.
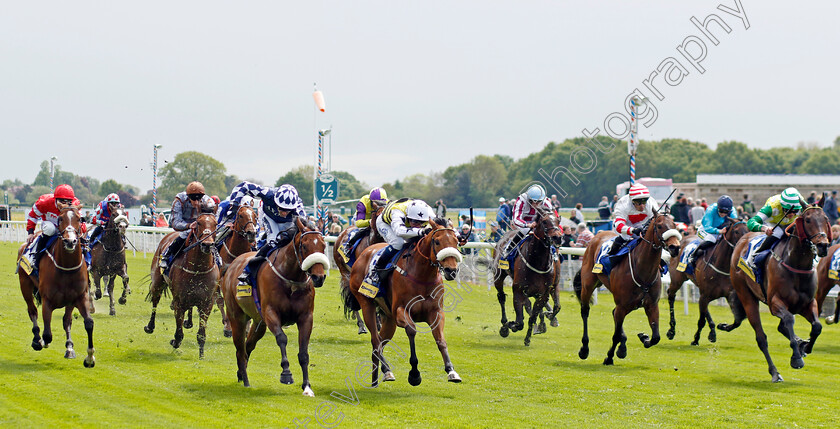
(634, 282)
(193, 278)
(415, 293)
(372, 237)
(535, 274)
(824, 285)
(62, 282)
(711, 276)
(107, 259)
(789, 284)
(286, 289)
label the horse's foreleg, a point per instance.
(201, 336)
(652, 311)
(536, 311)
(97, 292)
(107, 280)
(779, 309)
(751, 309)
(436, 321)
(414, 377)
(126, 288)
(304, 325)
(275, 325)
(179, 325)
(68, 322)
(555, 298)
(504, 331)
(112, 310)
(188, 324)
(618, 336)
(82, 306)
(703, 305)
(812, 315)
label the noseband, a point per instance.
(433, 261)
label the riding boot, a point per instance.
(95, 233)
(254, 264)
(37, 248)
(617, 245)
(381, 263)
(766, 245)
(511, 246)
(171, 253)
(701, 249)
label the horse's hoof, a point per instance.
(695, 343)
(149, 329)
(227, 333)
(286, 377)
(238, 376)
(829, 320)
(112, 312)
(527, 341)
(621, 353)
(777, 378)
(414, 378)
(608, 361)
(122, 300)
(712, 336)
(583, 353)
(89, 364)
(554, 323)
(388, 376)
(670, 334)
(97, 295)
(804, 348)
(362, 330)
(453, 377)
(645, 339)
(307, 391)
(70, 354)
(724, 327)
(504, 331)
(106, 294)
(174, 343)
(540, 329)
(796, 362)
(37, 345)
(187, 324)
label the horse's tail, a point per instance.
(578, 285)
(36, 293)
(351, 304)
(736, 306)
(164, 287)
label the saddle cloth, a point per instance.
(33, 269)
(834, 265)
(372, 289)
(760, 259)
(683, 266)
(505, 263)
(604, 262)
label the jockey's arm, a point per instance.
(518, 210)
(708, 221)
(756, 223)
(177, 217)
(398, 225)
(362, 220)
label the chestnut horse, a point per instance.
(107, 259)
(286, 289)
(535, 274)
(635, 282)
(415, 293)
(824, 285)
(372, 237)
(789, 284)
(62, 282)
(711, 276)
(193, 278)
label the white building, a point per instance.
(759, 187)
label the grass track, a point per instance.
(139, 380)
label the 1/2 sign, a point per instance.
(326, 189)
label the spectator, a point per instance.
(748, 206)
(334, 227)
(161, 222)
(691, 229)
(830, 207)
(440, 209)
(555, 203)
(146, 220)
(578, 212)
(573, 217)
(466, 234)
(495, 233)
(704, 204)
(680, 210)
(503, 216)
(612, 204)
(584, 236)
(812, 198)
(697, 212)
(604, 210)
(465, 220)
(835, 232)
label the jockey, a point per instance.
(631, 213)
(47, 209)
(714, 218)
(281, 206)
(365, 208)
(226, 218)
(779, 210)
(526, 209)
(104, 211)
(401, 220)
(186, 208)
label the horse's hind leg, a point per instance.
(751, 309)
(360, 322)
(537, 310)
(701, 322)
(179, 325)
(584, 293)
(46, 315)
(237, 326)
(26, 289)
(737, 311)
(154, 296)
(652, 311)
(81, 305)
(220, 303)
(618, 334)
(504, 331)
(304, 325)
(112, 310)
(188, 324)
(386, 333)
(68, 321)
(519, 303)
(672, 296)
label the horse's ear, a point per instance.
(299, 224)
(822, 200)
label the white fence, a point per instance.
(142, 239)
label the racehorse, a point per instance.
(415, 293)
(107, 259)
(193, 278)
(789, 284)
(372, 237)
(285, 287)
(711, 276)
(635, 282)
(62, 282)
(535, 274)
(241, 240)
(824, 285)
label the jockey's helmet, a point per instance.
(639, 192)
(535, 193)
(216, 199)
(195, 188)
(418, 210)
(724, 204)
(790, 199)
(112, 198)
(64, 192)
(378, 196)
(286, 197)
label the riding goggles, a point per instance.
(195, 197)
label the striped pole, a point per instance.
(633, 142)
(154, 180)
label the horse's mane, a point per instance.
(441, 221)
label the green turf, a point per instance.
(139, 380)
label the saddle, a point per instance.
(32, 270)
(683, 265)
(605, 262)
(760, 259)
(834, 265)
(348, 250)
(371, 290)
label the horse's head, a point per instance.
(120, 221)
(662, 232)
(69, 223)
(309, 248)
(443, 245)
(205, 231)
(548, 229)
(246, 223)
(813, 226)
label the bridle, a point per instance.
(67, 229)
(432, 258)
(707, 259)
(297, 246)
(810, 238)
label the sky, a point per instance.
(410, 86)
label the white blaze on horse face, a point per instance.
(447, 252)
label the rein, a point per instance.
(64, 268)
(295, 284)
